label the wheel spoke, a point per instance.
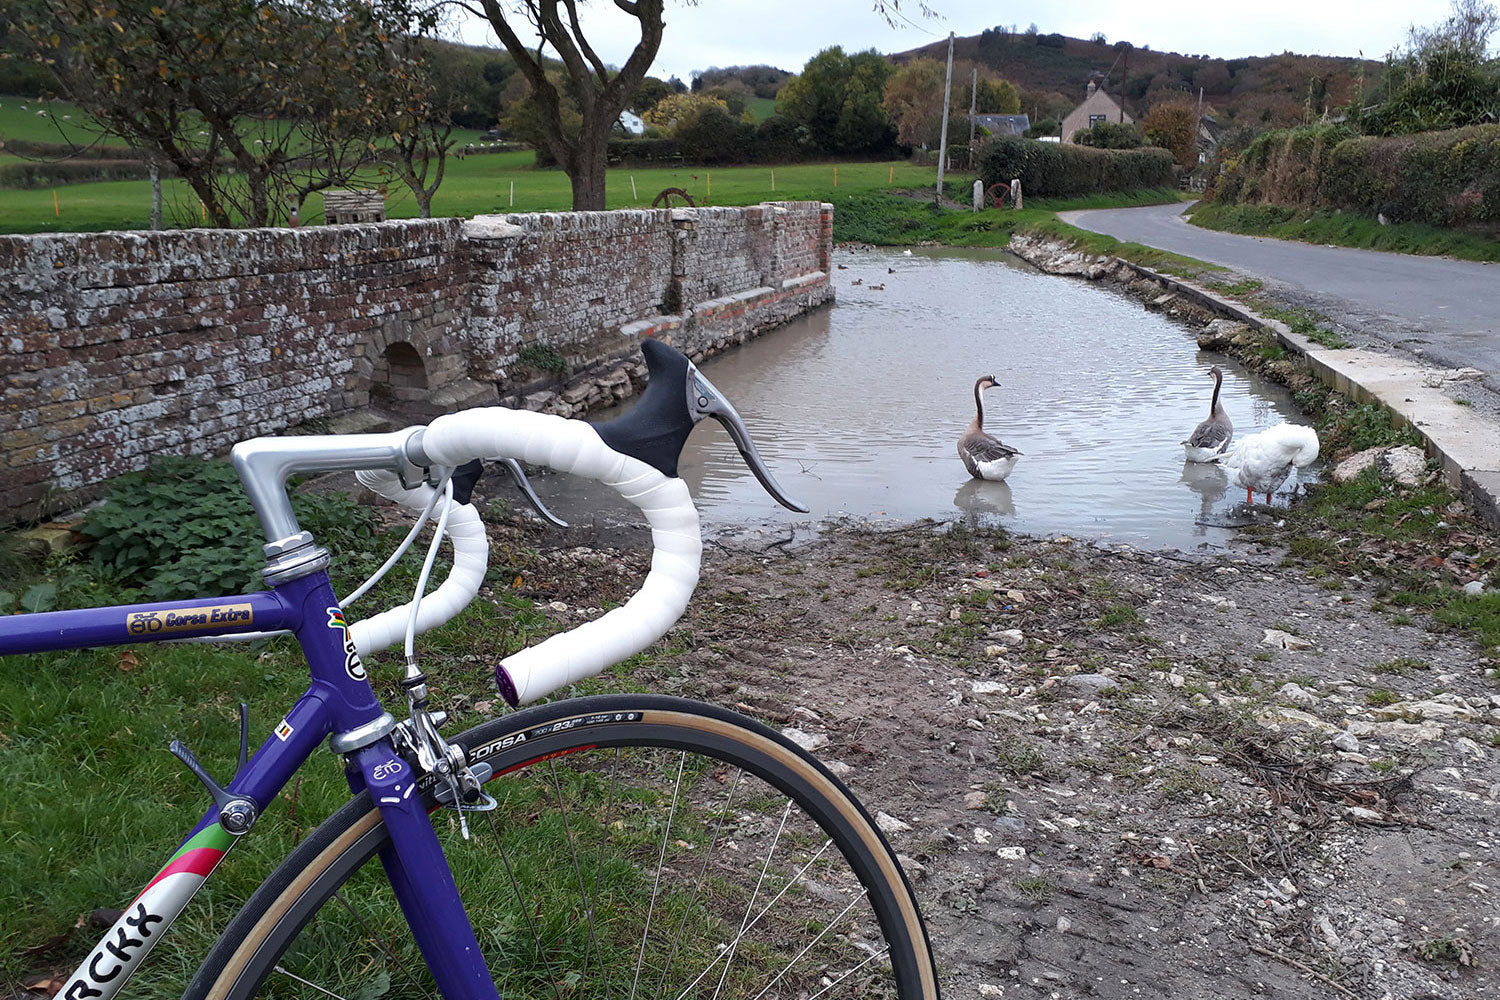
(661, 862)
(808, 947)
(521, 902)
(562, 808)
(309, 983)
(702, 878)
(868, 959)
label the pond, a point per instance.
(858, 408)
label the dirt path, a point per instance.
(1107, 782)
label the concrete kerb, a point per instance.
(1465, 443)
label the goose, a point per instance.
(858, 281)
(878, 288)
(983, 454)
(1211, 437)
(1261, 462)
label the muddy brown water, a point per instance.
(858, 407)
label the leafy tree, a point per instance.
(997, 97)
(714, 135)
(295, 97)
(914, 99)
(652, 89)
(1174, 127)
(679, 110)
(838, 100)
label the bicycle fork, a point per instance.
(423, 883)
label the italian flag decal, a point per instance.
(197, 856)
(148, 916)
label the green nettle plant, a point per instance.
(184, 528)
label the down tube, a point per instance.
(145, 921)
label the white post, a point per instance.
(633, 195)
(978, 195)
(943, 137)
(512, 194)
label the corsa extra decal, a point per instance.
(352, 666)
(209, 617)
(147, 918)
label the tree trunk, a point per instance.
(588, 172)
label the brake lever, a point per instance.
(524, 485)
(704, 400)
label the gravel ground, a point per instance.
(1117, 773)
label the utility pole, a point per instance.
(973, 103)
(1124, 81)
(943, 137)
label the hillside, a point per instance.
(1054, 70)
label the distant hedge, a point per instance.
(1440, 178)
(713, 138)
(43, 173)
(1054, 169)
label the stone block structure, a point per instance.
(118, 346)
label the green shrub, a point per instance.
(1107, 135)
(1055, 169)
(184, 528)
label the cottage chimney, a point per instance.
(1092, 88)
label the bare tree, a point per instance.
(599, 91)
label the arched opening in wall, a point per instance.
(398, 383)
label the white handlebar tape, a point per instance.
(471, 551)
(574, 447)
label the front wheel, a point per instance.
(640, 846)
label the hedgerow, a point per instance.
(1441, 178)
(1054, 169)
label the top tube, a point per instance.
(263, 611)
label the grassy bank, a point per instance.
(1344, 229)
(885, 218)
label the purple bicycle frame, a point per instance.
(338, 699)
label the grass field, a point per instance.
(761, 107)
(44, 121)
(475, 185)
(1345, 230)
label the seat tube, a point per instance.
(423, 882)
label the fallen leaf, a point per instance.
(128, 660)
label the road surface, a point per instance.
(1447, 311)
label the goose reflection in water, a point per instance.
(978, 499)
(1211, 484)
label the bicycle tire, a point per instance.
(581, 733)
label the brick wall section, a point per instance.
(118, 346)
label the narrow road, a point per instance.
(1445, 310)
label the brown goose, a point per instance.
(1212, 437)
(983, 454)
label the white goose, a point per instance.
(1213, 435)
(984, 455)
(1261, 462)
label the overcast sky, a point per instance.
(785, 33)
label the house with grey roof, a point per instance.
(1002, 124)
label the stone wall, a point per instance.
(118, 346)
